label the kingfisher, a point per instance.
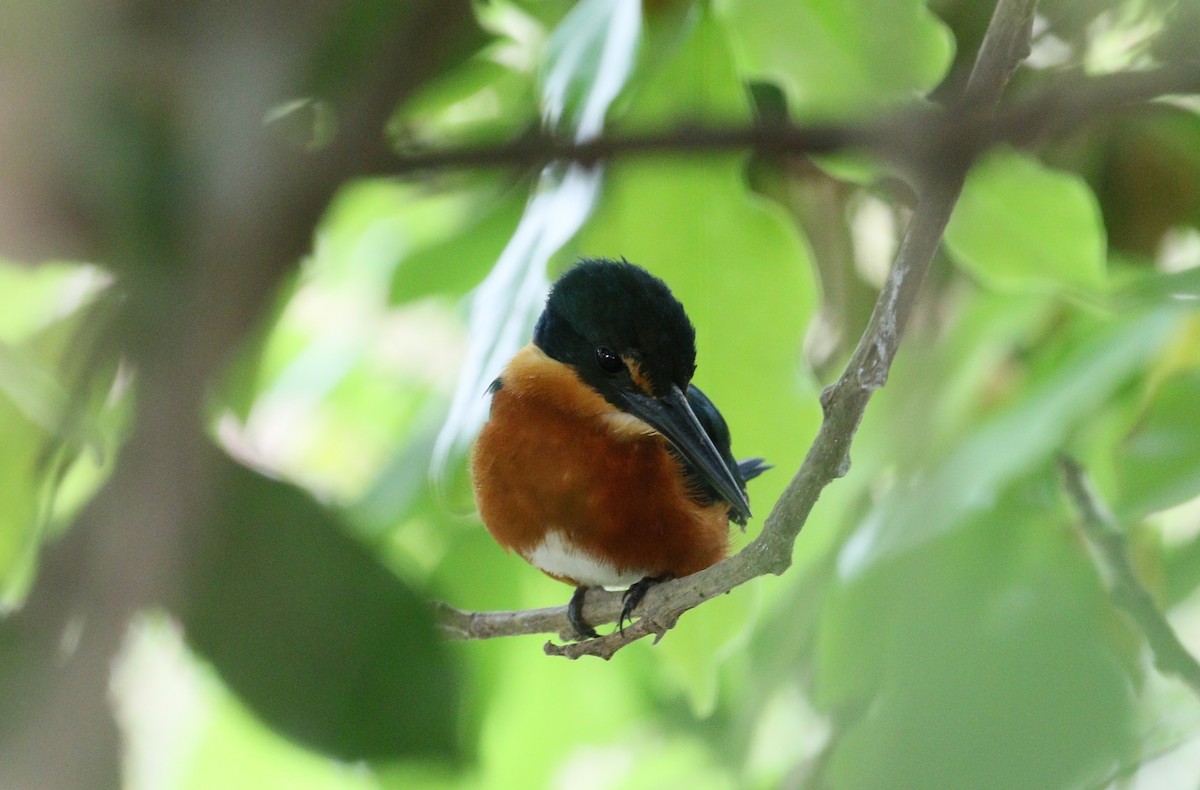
(600, 463)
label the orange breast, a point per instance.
(582, 490)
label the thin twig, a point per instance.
(1111, 550)
(1005, 45)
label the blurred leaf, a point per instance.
(356, 36)
(1160, 463)
(1161, 288)
(680, 761)
(316, 636)
(21, 499)
(836, 59)
(575, 708)
(1020, 225)
(479, 101)
(38, 296)
(456, 264)
(30, 388)
(972, 475)
(353, 35)
(702, 640)
(987, 657)
(1181, 566)
(308, 124)
(57, 416)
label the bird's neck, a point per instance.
(533, 376)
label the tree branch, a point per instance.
(914, 138)
(1005, 45)
(1111, 552)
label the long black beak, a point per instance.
(672, 416)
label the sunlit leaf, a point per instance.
(838, 59)
(21, 498)
(1020, 225)
(39, 296)
(456, 264)
(481, 100)
(973, 474)
(29, 387)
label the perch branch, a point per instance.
(1111, 551)
(1005, 45)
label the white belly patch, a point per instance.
(557, 556)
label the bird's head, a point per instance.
(627, 337)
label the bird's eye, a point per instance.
(608, 361)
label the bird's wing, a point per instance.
(718, 431)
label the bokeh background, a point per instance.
(242, 359)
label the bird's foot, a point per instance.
(575, 615)
(633, 596)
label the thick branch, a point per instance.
(1111, 550)
(1004, 46)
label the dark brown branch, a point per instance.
(913, 138)
(1005, 45)
(1111, 551)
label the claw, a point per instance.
(633, 596)
(575, 615)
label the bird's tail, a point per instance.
(752, 468)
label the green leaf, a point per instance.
(1022, 226)
(836, 59)
(312, 632)
(970, 477)
(31, 389)
(478, 101)
(21, 498)
(457, 263)
(37, 296)
(1160, 463)
(1160, 288)
(987, 657)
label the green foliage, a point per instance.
(58, 433)
(978, 630)
(1019, 225)
(306, 626)
(943, 624)
(838, 60)
(1160, 466)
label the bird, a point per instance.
(600, 462)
